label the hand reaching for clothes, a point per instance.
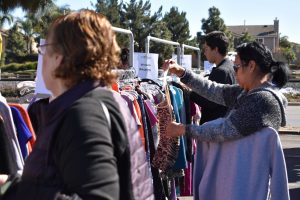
(175, 129)
(173, 67)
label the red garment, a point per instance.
(115, 87)
(26, 119)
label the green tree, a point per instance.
(27, 5)
(112, 9)
(160, 30)
(5, 17)
(178, 25)
(213, 23)
(28, 31)
(246, 37)
(43, 17)
(286, 48)
(284, 42)
(15, 44)
(138, 19)
(288, 54)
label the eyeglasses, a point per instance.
(42, 48)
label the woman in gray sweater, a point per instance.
(228, 165)
(253, 104)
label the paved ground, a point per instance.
(291, 148)
(293, 115)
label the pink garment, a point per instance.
(186, 190)
(151, 113)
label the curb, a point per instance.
(293, 103)
(289, 130)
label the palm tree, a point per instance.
(27, 29)
(26, 5)
(43, 17)
(5, 17)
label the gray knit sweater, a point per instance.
(248, 111)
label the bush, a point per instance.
(27, 58)
(294, 67)
(17, 67)
(292, 97)
(9, 92)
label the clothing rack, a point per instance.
(131, 45)
(149, 38)
(125, 73)
(193, 48)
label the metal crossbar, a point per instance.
(183, 46)
(149, 38)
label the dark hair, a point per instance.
(124, 56)
(217, 39)
(88, 44)
(279, 71)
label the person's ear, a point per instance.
(216, 49)
(58, 59)
(252, 65)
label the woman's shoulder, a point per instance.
(266, 97)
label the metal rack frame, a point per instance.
(155, 39)
(131, 45)
(183, 46)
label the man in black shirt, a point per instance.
(215, 50)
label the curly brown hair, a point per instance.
(88, 44)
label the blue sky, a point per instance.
(234, 12)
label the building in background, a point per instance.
(266, 34)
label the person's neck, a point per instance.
(59, 89)
(258, 83)
(219, 59)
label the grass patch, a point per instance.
(293, 97)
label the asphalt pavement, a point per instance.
(291, 149)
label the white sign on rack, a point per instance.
(40, 84)
(185, 60)
(146, 65)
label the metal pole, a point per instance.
(131, 45)
(193, 48)
(147, 45)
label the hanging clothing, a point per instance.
(27, 121)
(177, 103)
(11, 133)
(23, 133)
(7, 164)
(241, 169)
(142, 182)
(168, 147)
